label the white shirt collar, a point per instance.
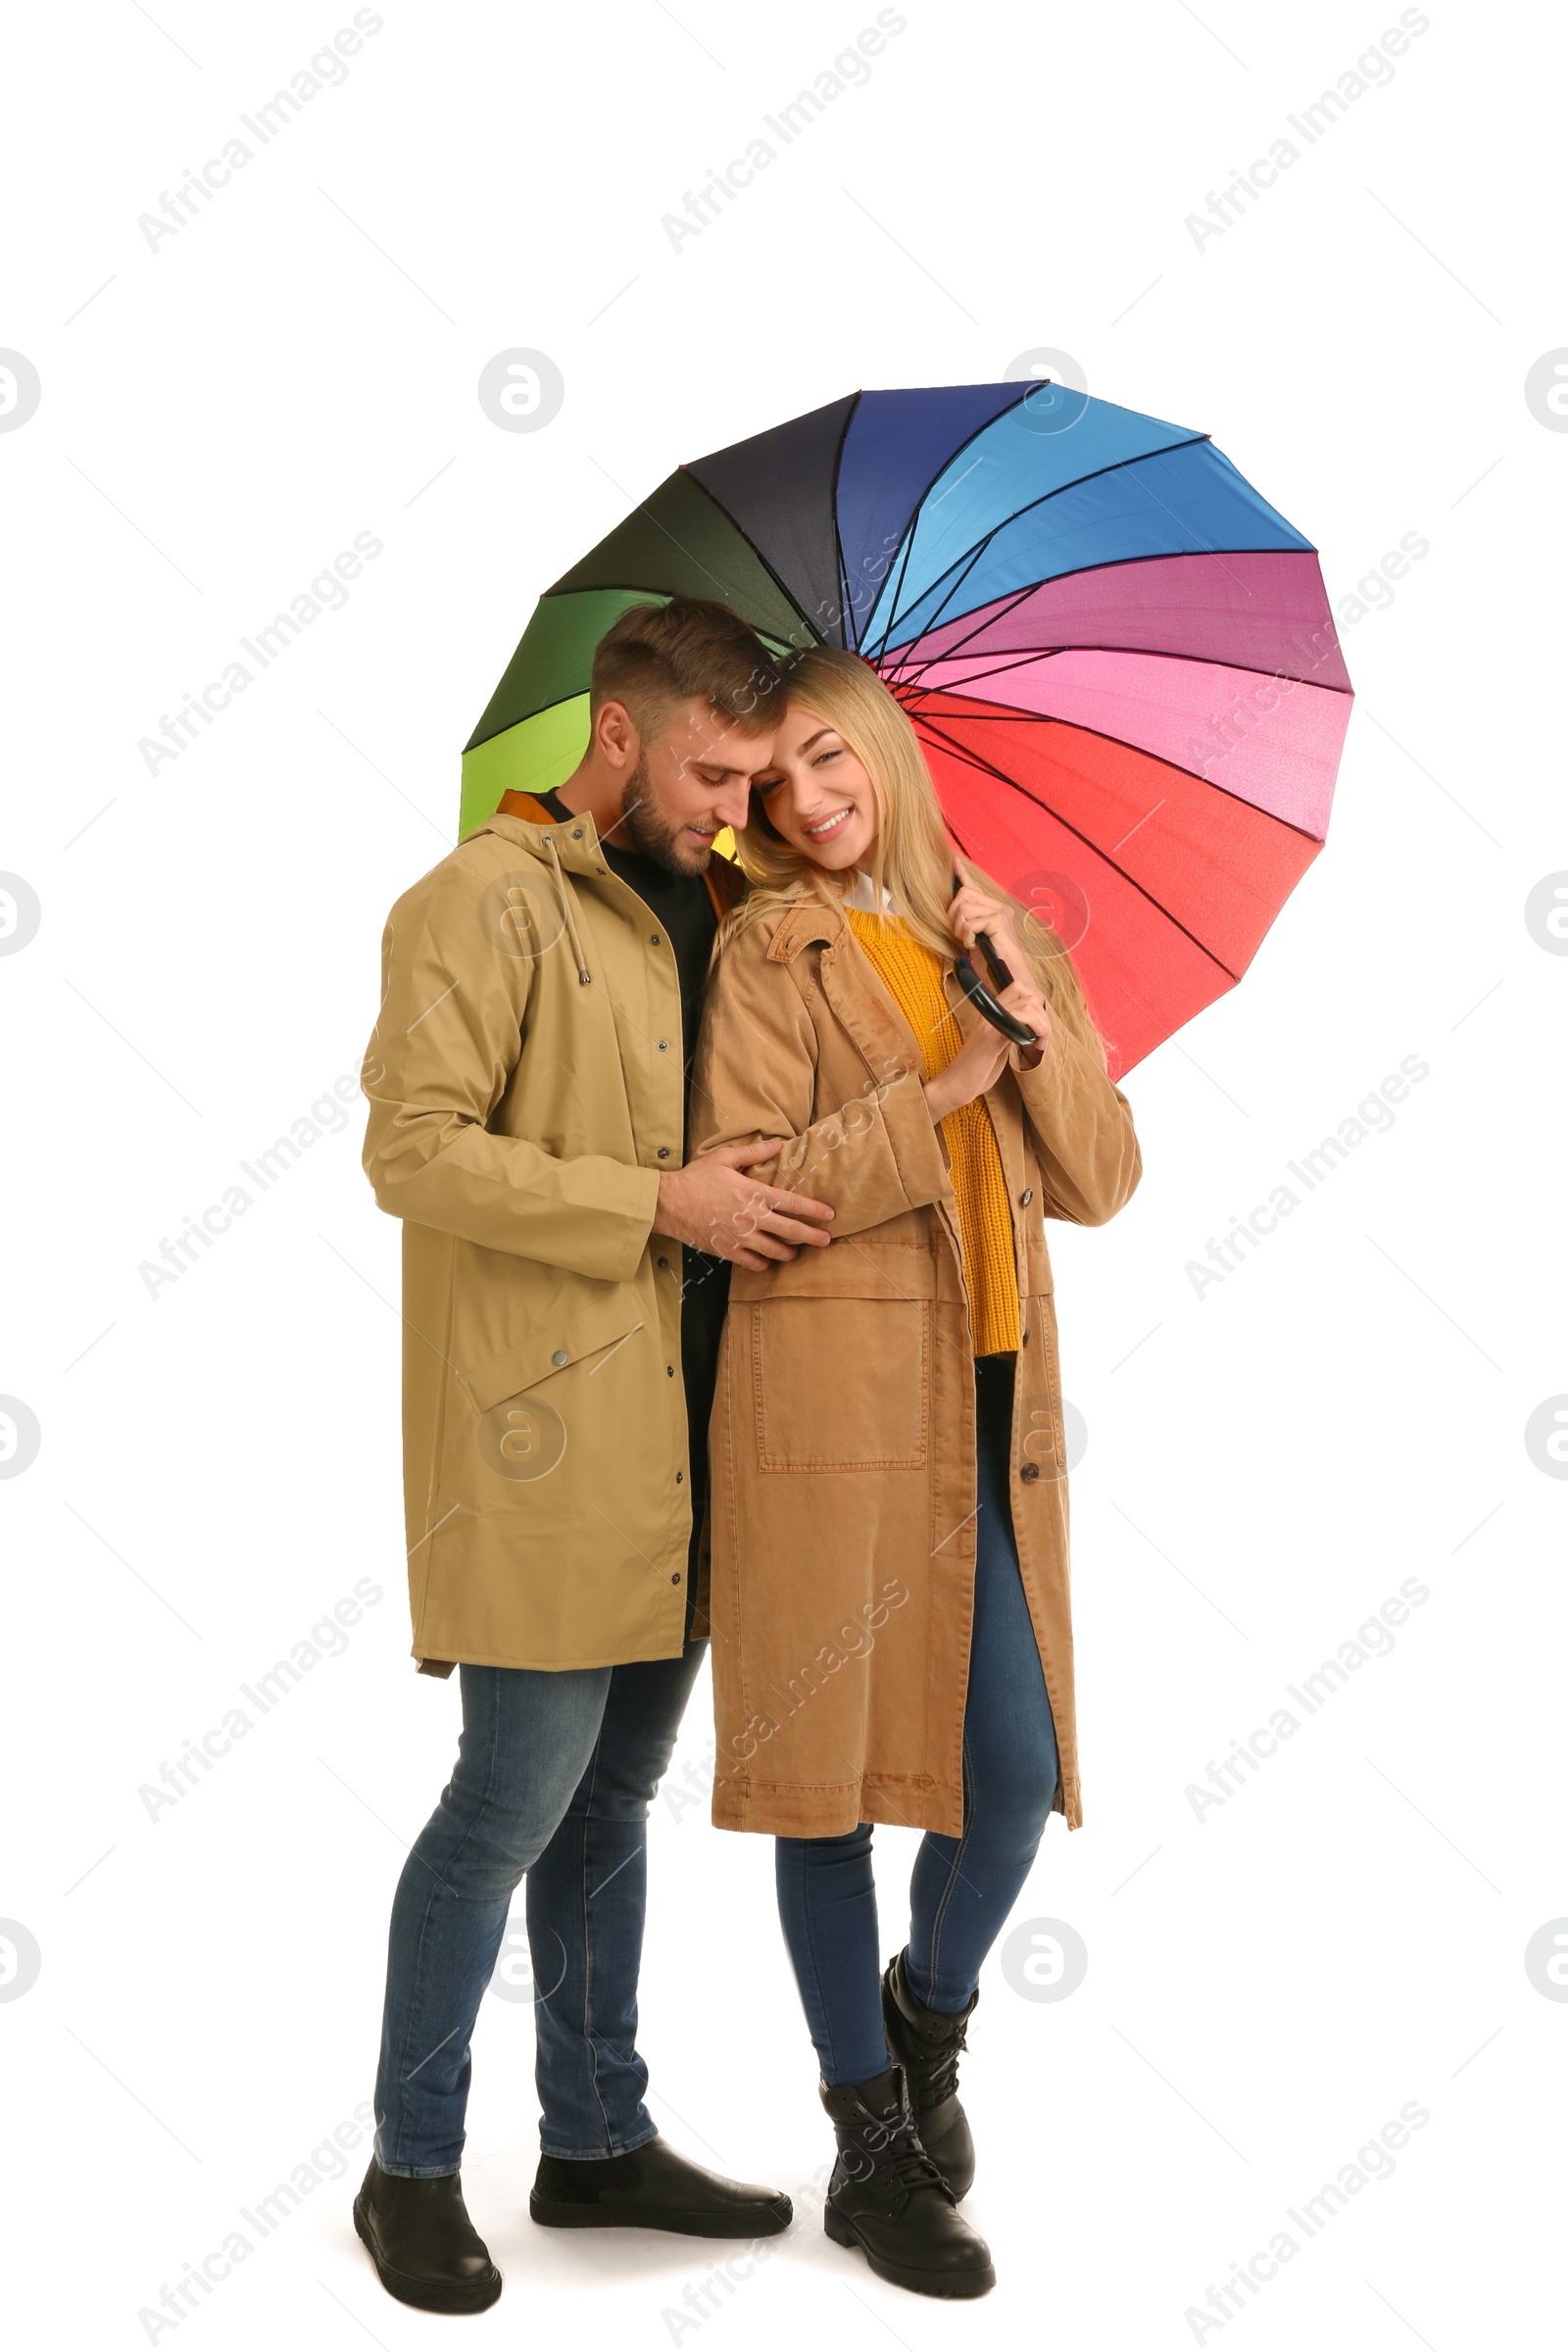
(860, 895)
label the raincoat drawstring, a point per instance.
(584, 975)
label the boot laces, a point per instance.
(938, 2068)
(895, 2148)
(912, 2169)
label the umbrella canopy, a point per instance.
(1119, 658)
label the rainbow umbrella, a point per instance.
(1119, 658)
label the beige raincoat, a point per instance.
(843, 1439)
(526, 1091)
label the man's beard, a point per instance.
(644, 828)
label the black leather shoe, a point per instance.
(652, 2189)
(426, 2249)
(887, 2197)
(927, 2045)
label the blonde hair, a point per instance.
(914, 854)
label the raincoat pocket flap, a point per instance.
(584, 1331)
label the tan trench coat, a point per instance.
(843, 1439)
(521, 1116)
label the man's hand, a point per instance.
(714, 1206)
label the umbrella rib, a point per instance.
(962, 574)
(643, 588)
(1177, 554)
(1116, 979)
(1112, 979)
(1148, 652)
(904, 552)
(987, 767)
(1045, 720)
(747, 540)
(1122, 744)
(1096, 473)
(963, 566)
(951, 457)
(558, 702)
(850, 415)
(644, 507)
(908, 545)
(1012, 602)
(1013, 597)
(1120, 465)
(1218, 554)
(1027, 658)
(721, 509)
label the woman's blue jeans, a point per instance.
(553, 1779)
(962, 1888)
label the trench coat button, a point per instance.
(664, 1044)
(576, 832)
(1030, 1471)
(680, 1478)
(662, 1264)
(653, 939)
(671, 1371)
(1026, 1196)
(560, 1356)
(663, 1151)
(676, 1580)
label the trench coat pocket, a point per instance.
(847, 1268)
(583, 1331)
(841, 1383)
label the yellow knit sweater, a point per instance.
(912, 977)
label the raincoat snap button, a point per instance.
(662, 1264)
(675, 1580)
(1030, 1470)
(663, 1151)
(671, 1371)
(560, 1356)
(664, 1044)
(653, 939)
(576, 832)
(680, 1478)
(1026, 1196)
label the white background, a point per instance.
(1265, 1464)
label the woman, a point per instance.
(888, 1578)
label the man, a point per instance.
(528, 1088)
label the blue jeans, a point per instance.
(962, 1888)
(553, 1779)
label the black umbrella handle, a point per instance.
(985, 1004)
(981, 998)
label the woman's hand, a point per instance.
(974, 910)
(975, 1068)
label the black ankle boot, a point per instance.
(426, 2249)
(887, 2197)
(927, 2045)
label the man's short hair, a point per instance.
(658, 657)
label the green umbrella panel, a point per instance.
(678, 543)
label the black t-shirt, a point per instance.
(683, 913)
